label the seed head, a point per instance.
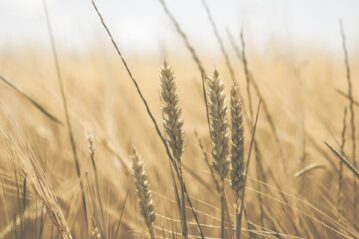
(173, 122)
(144, 194)
(237, 150)
(218, 125)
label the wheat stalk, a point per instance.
(65, 105)
(237, 150)
(219, 134)
(241, 209)
(144, 193)
(340, 177)
(351, 111)
(96, 190)
(355, 102)
(251, 80)
(173, 124)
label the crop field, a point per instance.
(246, 143)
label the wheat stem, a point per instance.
(352, 114)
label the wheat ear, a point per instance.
(173, 123)
(172, 113)
(237, 151)
(144, 193)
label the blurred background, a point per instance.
(143, 28)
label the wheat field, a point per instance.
(81, 156)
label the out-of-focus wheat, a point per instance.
(29, 165)
(143, 192)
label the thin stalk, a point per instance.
(122, 211)
(251, 80)
(192, 51)
(356, 103)
(183, 208)
(97, 181)
(239, 217)
(352, 168)
(259, 165)
(220, 41)
(64, 102)
(352, 114)
(340, 178)
(223, 208)
(31, 100)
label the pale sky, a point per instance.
(142, 26)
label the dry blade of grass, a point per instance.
(309, 168)
(351, 166)
(31, 100)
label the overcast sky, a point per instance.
(142, 26)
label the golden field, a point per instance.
(298, 87)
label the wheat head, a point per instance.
(237, 150)
(144, 193)
(218, 125)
